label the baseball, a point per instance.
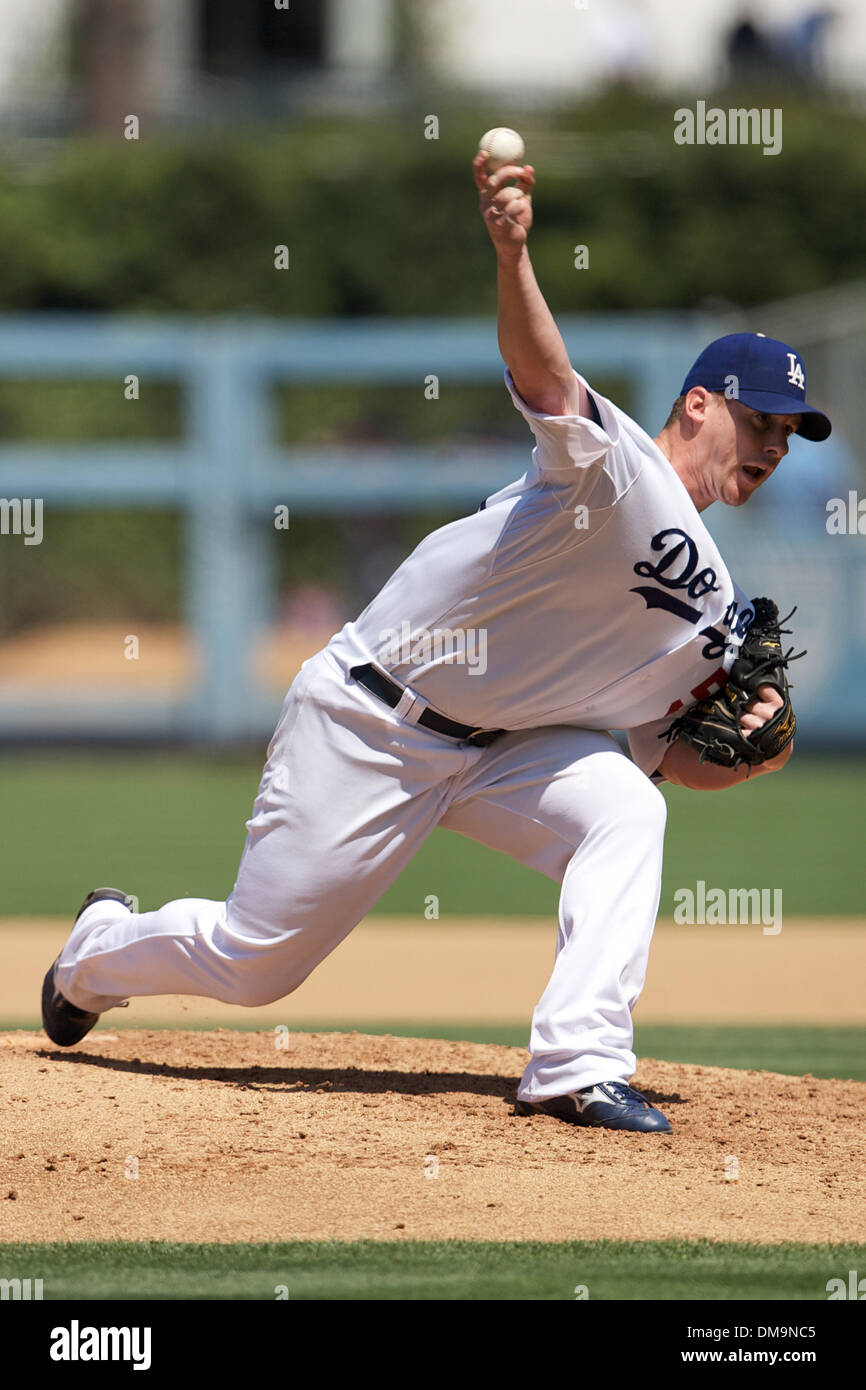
(503, 146)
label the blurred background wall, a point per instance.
(238, 242)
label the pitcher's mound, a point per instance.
(271, 1136)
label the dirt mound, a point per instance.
(233, 1136)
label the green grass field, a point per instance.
(441, 1270)
(166, 825)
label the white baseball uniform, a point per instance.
(585, 597)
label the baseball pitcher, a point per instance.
(601, 603)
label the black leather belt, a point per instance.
(380, 685)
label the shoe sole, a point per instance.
(67, 1030)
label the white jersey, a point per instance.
(583, 598)
(587, 593)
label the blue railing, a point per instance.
(229, 472)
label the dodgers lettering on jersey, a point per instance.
(588, 593)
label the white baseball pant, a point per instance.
(348, 794)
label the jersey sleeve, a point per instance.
(648, 746)
(566, 442)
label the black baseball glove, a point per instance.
(713, 726)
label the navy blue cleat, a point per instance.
(62, 1021)
(607, 1105)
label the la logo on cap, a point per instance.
(796, 375)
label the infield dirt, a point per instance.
(224, 1136)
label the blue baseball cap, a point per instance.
(763, 373)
